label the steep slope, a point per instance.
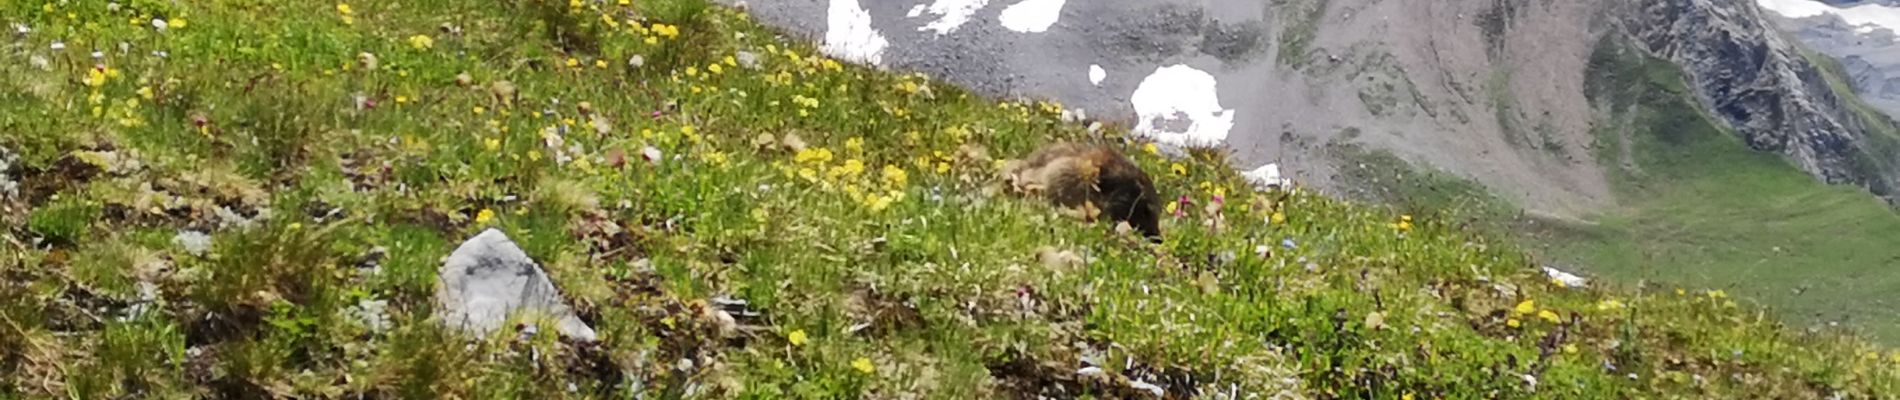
(1489, 90)
(254, 202)
(1763, 86)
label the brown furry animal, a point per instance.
(1093, 180)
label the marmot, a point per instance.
(1093, 180)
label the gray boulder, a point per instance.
(489, 278)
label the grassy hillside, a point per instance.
(253, 200)
(1700, 209)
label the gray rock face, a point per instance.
(1870, 59)
(1762, 85)
(489, 278)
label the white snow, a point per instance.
(849, 35)
(951, 14)
(1176, 93)
(1032, 16)
(1867, 16)
(1096, 74)
(1267, 176)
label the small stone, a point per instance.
(1267, 176)
(636, 61)
(489, 278)
(748, 59)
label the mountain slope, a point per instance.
(260, 200)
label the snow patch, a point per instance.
(1179, 105)
(849, 35)
(1868, 17)
(1096, 74)
(1032, 16)
(951, 14)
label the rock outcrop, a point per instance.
(1761, 83)
(489, 279)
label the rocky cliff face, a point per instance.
(1869, 54)
(1761, 83)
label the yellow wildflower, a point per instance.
(95, 77)
(484, 216)
(852, 167)
(797, 337)
(1171, 207)
(1570, 348)
(943, 167)
(421, 42)
(177, 23)
(895, 176)
(478, 110)
(1526, 307)
(877, 203)
(492, 144)
(854, 145)
(1611, 304)
(343, 8)
(863, 365)
(1548, 315)
(145, 92)
(715, 68)
(731, 61)
(573, 62)
(715, 157)
(1717, 294)
(1512, 323)
(692, 71)
(1278, 218)
(1179, 169)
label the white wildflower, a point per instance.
(194, 242)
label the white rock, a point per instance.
(489, 278)
(1568, 279)
(1097, 74)
(1267, 176)
(1157, 391)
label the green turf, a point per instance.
(1698, 208)
(876, 248)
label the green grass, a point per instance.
(880, 258)
(1698, 208)
(1302, 20)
